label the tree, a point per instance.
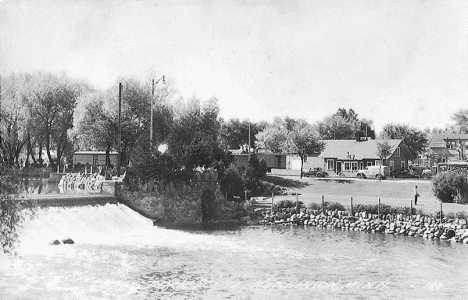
(345, 125)
(413, 137)
(194, 138)
(272, 139)
(97, 128)
(305, 140)
(460, 117)
(234, 134)
(14, 118)
(384, 150)
(232, 182)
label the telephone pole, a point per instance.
(152, 105)
(119, 154)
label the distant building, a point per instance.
(351, 155)
(96, 158)
(449, 147)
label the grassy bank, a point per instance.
(394, 192)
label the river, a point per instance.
(118, 254)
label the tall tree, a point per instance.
(194, 138)
(384, 150)
(345, 125)
(234, 134)
(305, 140)
(14, 118)
(272, 139)
(413, 137)
(51, 105)
(460, 117)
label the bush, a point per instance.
(449, 186)
(450, 215)
(328, 206)
(288, 204)
(461, 215)
(315, 206)
(232, 182)
(334, 206)
(263, 168)
(11, 208)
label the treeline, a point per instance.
(56, 115)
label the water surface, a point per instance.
(118, 254)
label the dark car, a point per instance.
(315, 172)
(404, 174)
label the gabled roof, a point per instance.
(342, 149)
(437, 139)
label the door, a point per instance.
(338, 167)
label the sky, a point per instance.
(391, 61)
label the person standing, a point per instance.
(416, 195)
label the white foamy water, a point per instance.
(119, 254)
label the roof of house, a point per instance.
(342, 149)
(439, 139)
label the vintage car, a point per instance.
(315, 172)
(379, 172)
(404, 174)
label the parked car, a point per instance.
(379, 172)
(404, 174)
(428, 173)
(315, 172)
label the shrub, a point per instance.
(315, 206)
(334, 206)
(232, 182)
(450, 215)
(448, 186)
(288, 204)
(263, 168)
(461, 215)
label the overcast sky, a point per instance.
(391, 61)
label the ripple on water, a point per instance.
(122, 256)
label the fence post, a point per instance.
(323, 204)
(411, 211)
(272, 197)
(351, 205)
(378, 209)
(441, 212)
(225, 199)
(245, 195)
(297, 202)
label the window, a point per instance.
(354, 166)
(347, 166)
(377, 162)
(392, 165)
(369, 163)
(330, 164)
(397, 152)
(361, 165)
(305, 158)
(95, 159)
(403, 165)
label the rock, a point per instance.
(54, 243)
(450, 233)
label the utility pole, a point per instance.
(151, 127)
(249, 138)
(119, 154)
(152, 107)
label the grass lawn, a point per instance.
(395, 192)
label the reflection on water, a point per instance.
(119, 255)
(37, 186)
